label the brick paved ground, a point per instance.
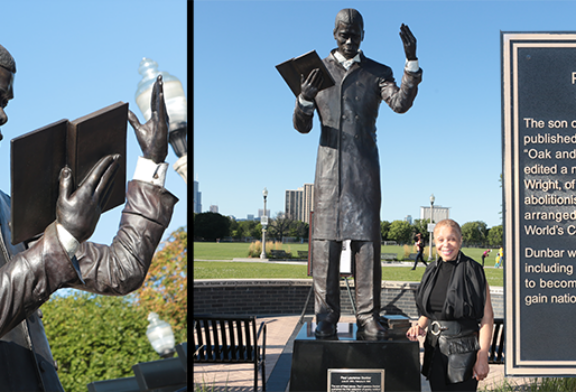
(280, 335)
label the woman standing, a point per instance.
(454, 302)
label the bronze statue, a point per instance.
(347, 195)
(29, 273)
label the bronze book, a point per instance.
(303, 65)
(37, 157)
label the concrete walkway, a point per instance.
(281, 332)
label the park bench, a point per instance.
(231, 339)
(388, 256)
(278, 254)
(303, 254)
(412, 256)
(496, 355)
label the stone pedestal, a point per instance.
(344, 363)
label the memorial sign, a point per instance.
(539, 178)
(356, 380)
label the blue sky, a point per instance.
(74, 58)
(448, 144)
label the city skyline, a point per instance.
(298, 209)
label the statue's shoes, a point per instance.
(372, 328)
(325, 329)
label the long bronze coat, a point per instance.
(347, 195)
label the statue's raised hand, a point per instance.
(153, 136)
(80, 211)
(409, 42)
(310, 86)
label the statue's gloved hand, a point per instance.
(80, 211)
(153, 136)
(309, 87)
(409, 42)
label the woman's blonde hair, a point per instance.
(450, 223)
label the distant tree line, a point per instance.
(474, 234)
(211, 226)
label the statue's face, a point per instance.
(6, 93)
(348, 37)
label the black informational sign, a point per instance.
(539, 181)
(356, 380)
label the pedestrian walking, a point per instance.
(419, 250)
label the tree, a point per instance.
(251, 229)
(400, 231)
(496, 236)
(279, 227)
(474, 233)
(384, 230)
(299, 229)
(165, 289)
(235, 229)
(256, 231)
(211, 225)
(245, 229)
(95, 337)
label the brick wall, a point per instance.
(263, 297)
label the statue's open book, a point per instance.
(37, 157)
(303, 65)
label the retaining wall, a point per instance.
(264, 297)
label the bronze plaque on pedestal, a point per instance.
(356, 380)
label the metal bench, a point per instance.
(496, 355)
(303, 254)
(389, 256)
(278, 254)
(231, 339)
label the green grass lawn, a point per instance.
(220, 251)
(264, 270)
(231, 250)
(256, 270)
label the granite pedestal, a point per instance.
(344, 363)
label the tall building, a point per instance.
(308, 202)
(213, 208)
(197, 198)
(408, 219)
(439, 213)
(293, 205)
(299, 203)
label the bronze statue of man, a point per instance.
(29, 273)
(347, 194)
